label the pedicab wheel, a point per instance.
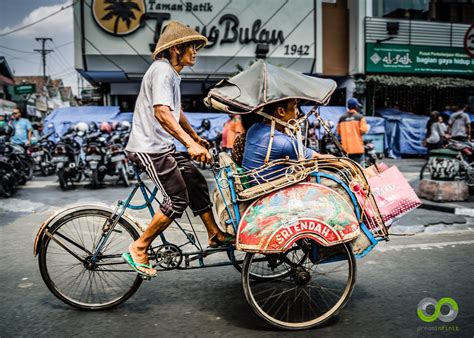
(76, 279)
(264, 267)
(314, 290)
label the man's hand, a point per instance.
(199, 153)
(204, 143)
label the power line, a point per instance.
(37, 21)
(17, 50)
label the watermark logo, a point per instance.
(426, 306)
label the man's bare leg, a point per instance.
(213, 231)
(138, 249)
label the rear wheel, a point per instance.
(69, 270)
(316, 287)
(62, 179)
(123, 175)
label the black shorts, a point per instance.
(180, 182)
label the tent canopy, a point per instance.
(264, 83)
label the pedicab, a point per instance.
(299, 224)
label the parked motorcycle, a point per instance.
(453, 162)
(41, 153)
(116, 160)
(95, 145)
(8, 174)
(370, 156)
(67, 158)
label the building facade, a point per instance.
(336, 39)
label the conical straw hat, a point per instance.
(175, 33)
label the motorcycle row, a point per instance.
(84, 151)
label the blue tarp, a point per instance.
(217, 124)
(63, 118)
(405, 132)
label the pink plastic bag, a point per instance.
(393, 194)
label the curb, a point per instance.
(448, 209)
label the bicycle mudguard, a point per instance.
(72, 208)
(306, 210)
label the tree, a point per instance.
(121, 10)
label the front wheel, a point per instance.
(68, 267)
(317, 286)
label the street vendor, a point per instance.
(283, 146)
(157, 120)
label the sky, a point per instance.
(18, 47)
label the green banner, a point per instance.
(390, 58)
(24, 89)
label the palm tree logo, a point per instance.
(118, 17)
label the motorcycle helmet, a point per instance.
(125, 125)
(33, 141)
(206, 124)
(93, 127)
(81, 126)
(105, 127)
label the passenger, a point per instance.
(283, 145)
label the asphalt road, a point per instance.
(391, 281)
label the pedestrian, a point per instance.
(351, 127)
(22, 128)
(459, 124)
(157, 120)
(435, 131)
(232, 128)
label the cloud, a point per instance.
(61, 22)
(59, 27)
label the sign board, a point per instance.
(24, 89)
(394, 58)
(233, 28)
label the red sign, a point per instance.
(311, 226)
(469, 41)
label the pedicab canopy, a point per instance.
(264, 83)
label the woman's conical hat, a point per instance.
(175, 33)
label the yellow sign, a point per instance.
(118, 17)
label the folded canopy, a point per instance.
(264, 83)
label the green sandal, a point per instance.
(215, 242)
(127, 257)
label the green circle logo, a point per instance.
(437, 305)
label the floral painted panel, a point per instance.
(272, 221)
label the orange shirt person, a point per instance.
(351, 127)
(232, 128)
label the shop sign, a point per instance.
(230, 26)
(24, 89)
(392, 58)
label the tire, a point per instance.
(289, 302)
(62, 179)
(88, 288)
(7, 186)
(29, 168)
(95, 179)
(123, 175)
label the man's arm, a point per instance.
(364, 127)
(184, 123)
(166, 119)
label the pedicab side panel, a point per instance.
(275, 221)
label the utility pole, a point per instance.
(44, 52)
